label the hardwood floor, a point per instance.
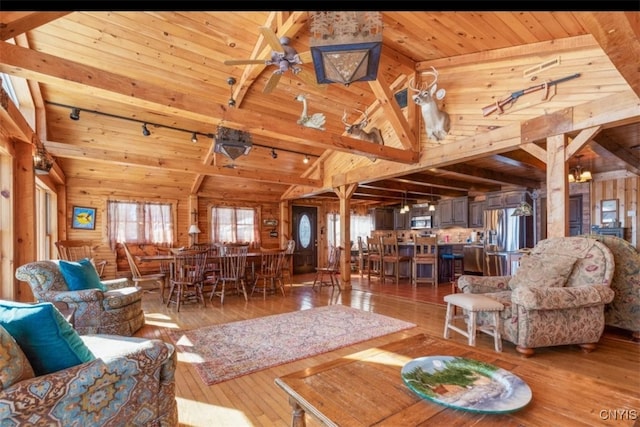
(254, 399)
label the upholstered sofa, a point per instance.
(115, 310)
(130, 382)
(556, 297)
(624, 311)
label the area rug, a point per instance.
(229, 350)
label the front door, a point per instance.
(305, 234)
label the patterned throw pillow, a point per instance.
(80, 275)
(14, 366)
(46, 338)
(542, 271)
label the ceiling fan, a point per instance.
(285, 57)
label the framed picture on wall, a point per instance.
(83, 218)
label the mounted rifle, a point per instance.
(499, 105)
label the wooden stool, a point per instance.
(473, 303)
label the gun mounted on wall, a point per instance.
(499, 105)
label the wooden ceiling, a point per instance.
(167, 69)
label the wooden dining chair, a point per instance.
(374, 256)
(231, 267)
(330, 271)
(187, 277)
(160, 279)
(363, 256)
(269, 276)
(391, 255)
(288, 261)
(75, 250)
(425, 253)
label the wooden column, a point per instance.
(24, 194)
(345, 192)
(557, 187)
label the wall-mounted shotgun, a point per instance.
(499, 105)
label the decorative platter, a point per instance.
(466, 384)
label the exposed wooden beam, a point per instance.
(99, 155)
(393, 114)
(39, 66)
(13, 24)
(491, 176)
(618, 33)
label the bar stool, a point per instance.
(455, 265)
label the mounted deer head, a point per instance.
(436, 121)
(357, 130)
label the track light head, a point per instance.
(194, 137)
(274, 155)
(75, 114)
(145, 131)
(305, 160)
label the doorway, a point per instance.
(575, 216)
(305, 233)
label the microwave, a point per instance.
(418, 222)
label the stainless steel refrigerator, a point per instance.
(504, 235)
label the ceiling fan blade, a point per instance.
(243, 61)
(306, 57)
(271, 38)
(271, 83)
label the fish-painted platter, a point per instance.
(466, 384)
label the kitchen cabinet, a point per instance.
(383, 219)
(476, 214)
(505, 199)
(454, 212)
(401, 221)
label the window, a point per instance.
(361, 226)
(234, 225)
(139, 222)
(46, 226)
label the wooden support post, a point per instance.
(345, 192)
(557, 187)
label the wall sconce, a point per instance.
(193, 233)
(42, 161)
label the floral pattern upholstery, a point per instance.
(130, 383)
(535, 316)
(624, 311)
(116, 311)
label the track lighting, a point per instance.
(231, 81)
(194, 137)
(145, 131)
(274, 155)
(306, 159)
(75, 114)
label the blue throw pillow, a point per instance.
(46, 338)
(80, 275)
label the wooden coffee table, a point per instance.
(366, 389)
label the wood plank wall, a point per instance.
(627, 191)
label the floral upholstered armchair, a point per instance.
(624, 311)
(111, 307)
(129, 382)
(556, 297)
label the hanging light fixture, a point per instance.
(345, 46)
(231, 81)
(432, 207)
(42, 161)
(233, 143)
(578, 174)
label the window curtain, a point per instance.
(139, 223)
(235, 225)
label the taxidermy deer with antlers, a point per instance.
(437, 122)
(357, 130)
